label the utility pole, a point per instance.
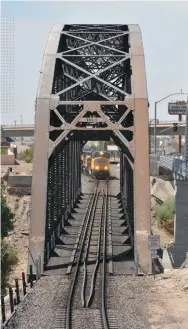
(21, 123)
(155, 130)
(180, 144)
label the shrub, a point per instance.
(8, 261)
(165, 212)
(8, 255)
(6, 216)
(4, 150)
(27, 155)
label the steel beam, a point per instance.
(142, 214)
(41, 142)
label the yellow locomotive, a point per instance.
(97, 164)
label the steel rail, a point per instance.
(103, 277)
(98, 257)
(87, 251)
(110, 245)
(91, 200)
(70, 295)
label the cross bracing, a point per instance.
(92, 87)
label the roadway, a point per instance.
(164, 128)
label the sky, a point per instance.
(164, 27)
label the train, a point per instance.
(96, 164)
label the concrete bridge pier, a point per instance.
(177, 252)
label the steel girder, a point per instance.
(92, 87)
(127, 194)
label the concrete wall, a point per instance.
(10, 152)
(7, 159)
(162, 190)
(19, 181)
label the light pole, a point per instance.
(150, 122)
(21, 122)
(162, 99)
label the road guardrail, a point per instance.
(177, 166)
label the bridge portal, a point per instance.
(92, 87)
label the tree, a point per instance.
(6, 216)
(165, 214)
(8, 261)
(8, 254)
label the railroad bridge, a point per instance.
(92, 87)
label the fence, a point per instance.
(166, 162)
(181, 168)
(177, 166)
(10, 302)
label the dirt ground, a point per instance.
(165, 237)
(22, 168)
(20, 205)
(18, 239)
(168, 300)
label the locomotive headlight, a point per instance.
(105, 167)
(97, 167)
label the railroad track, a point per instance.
(88, 268)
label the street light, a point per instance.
(155, 135)
(150, 122)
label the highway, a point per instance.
(164, 128)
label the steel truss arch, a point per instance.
(92, 86)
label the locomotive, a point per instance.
(96, 164)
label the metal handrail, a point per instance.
(17, 126)
(178, 166)
(168, 123)
(32, 125)
(181, 167)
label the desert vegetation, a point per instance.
(165, 214)
(26, 156)
(8, 254)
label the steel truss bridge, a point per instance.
(92, 87)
